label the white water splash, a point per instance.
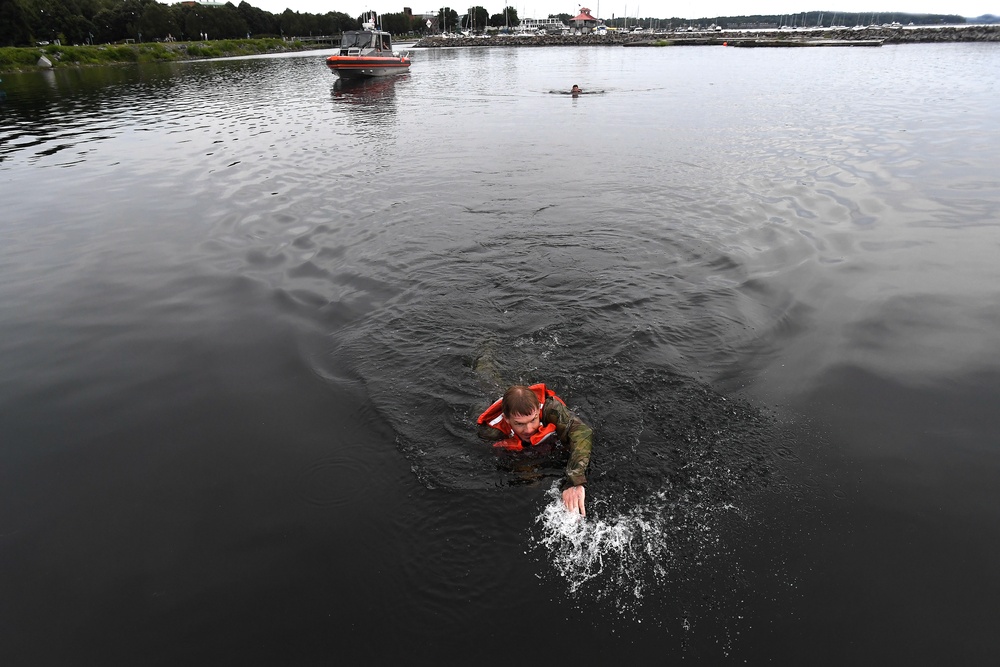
(631, 553)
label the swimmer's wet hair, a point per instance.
(519, 401)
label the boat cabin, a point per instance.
(356, 42)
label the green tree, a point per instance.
(258, 21)
(291, 24)
(43, 18)
(119, 21)
(508, 17)
(76, 29)
(14, 29)
(447, 18)
(228, 23)
(157, 21)
(335, 22)
(194, 22)
(102, 26)
(398, 23)
(66, 19)
(479, 18)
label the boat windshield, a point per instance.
(361, 40)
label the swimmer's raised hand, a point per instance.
(573, 499)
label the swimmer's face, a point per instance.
(525, 426)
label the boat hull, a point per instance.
(359, 67)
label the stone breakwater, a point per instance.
(970, 33)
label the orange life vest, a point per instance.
(493, 416)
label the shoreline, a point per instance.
(25, 58)
(814, 37)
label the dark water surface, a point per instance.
(248, 316)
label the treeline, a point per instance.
(477, 19)
(27, 22)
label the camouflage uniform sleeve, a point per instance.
(574, 433)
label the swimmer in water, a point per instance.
(575, 90)
(527, 417)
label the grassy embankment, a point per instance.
(26, 58)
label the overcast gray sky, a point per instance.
(654, 8)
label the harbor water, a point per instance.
(249, 314)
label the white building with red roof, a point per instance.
(583, 22)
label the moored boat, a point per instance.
(367, 53)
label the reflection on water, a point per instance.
(370, 101)
(250, 314)
(367, 91)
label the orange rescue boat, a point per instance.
(367, 53)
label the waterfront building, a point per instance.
(583, 22)
(549, 25)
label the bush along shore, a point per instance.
(29, 58)
(969, 33)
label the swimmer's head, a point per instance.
(521, 410)
(519, 400)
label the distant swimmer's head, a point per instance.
(520, 409)
(575, 89)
